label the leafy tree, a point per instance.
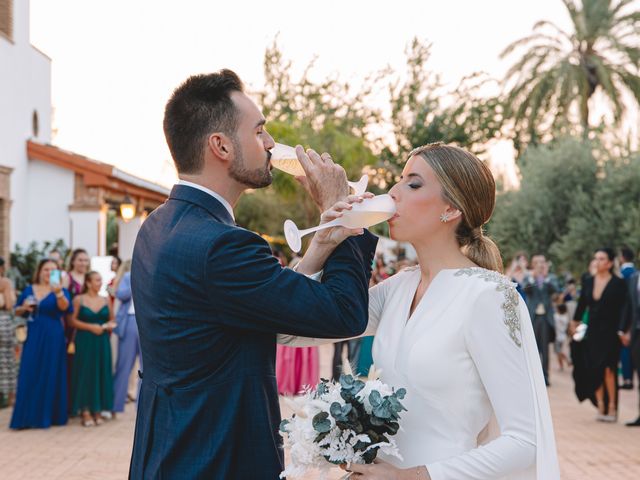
(574, 198)
(537, 215)
(423, 112)
(559, 72)
(609, 217)
(326, 116)
(24, 261)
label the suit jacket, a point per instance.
(535, 295)
(210, 299)
(627, 271)
(632, 314)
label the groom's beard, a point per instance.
(258, 178)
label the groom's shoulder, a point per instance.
(238, 241)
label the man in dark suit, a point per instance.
(630, 332)
(539, 288)
(210, 298)
(627, 268)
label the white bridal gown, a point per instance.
(476, 399)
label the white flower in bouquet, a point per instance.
(346, 422)
(369, 386)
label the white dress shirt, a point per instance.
(215, 195)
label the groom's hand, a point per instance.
(326, 181)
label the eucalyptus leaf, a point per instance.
(321, 422)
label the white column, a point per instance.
(89, 229)
(127, 233)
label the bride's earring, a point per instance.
(444, 218)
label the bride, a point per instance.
(454, 332)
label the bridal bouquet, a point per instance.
(345, 422)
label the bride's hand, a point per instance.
(381, 470)
(330, 237)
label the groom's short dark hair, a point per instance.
(199, 107)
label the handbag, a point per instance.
(71, 347)
(21, 333)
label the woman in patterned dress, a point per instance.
(8, 369)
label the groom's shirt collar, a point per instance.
(215, 195)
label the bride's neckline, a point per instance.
(434, 279)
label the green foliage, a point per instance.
(553, 81)
(382, 421)
(610, 216)
(112, 229)
(422, 113)
(573, 199)
(326, 116)
(25, 261)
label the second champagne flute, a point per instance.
(284, 158)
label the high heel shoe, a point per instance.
(612, 416)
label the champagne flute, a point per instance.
(370, 212)
(284, 158)
(32, 302)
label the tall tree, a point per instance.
(554, 81)
(328, 116)
(422, 111)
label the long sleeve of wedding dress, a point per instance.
(500, 341)
(501, 366)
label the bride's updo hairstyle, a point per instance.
(468, 185)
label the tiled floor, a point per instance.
(588, 450)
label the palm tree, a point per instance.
(558, 74)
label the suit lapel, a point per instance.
(188, 194)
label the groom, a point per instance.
(210, 298)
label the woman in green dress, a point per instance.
(91, 378)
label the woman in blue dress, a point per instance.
(41, 398)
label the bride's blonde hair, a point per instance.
(468, 185)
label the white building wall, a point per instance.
(49, 194)
(25, 87)
(127, 234)
(88, 231)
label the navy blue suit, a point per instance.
(210, 299)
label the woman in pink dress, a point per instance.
(296, 366)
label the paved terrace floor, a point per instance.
(587, 449)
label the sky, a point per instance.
(114, 64)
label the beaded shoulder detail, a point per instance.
(511, 298)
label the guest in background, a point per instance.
(539, 288)
(605, 295)
(41, 398)
(91, 379)
(627, 269)
(379, 272)
(518, 271)
(127, 333)
(295, 366)
(561, 317)
(632, 330)
(79, 265)
(353, 356)
(8, 368)
(57, 257)
(116, 262)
